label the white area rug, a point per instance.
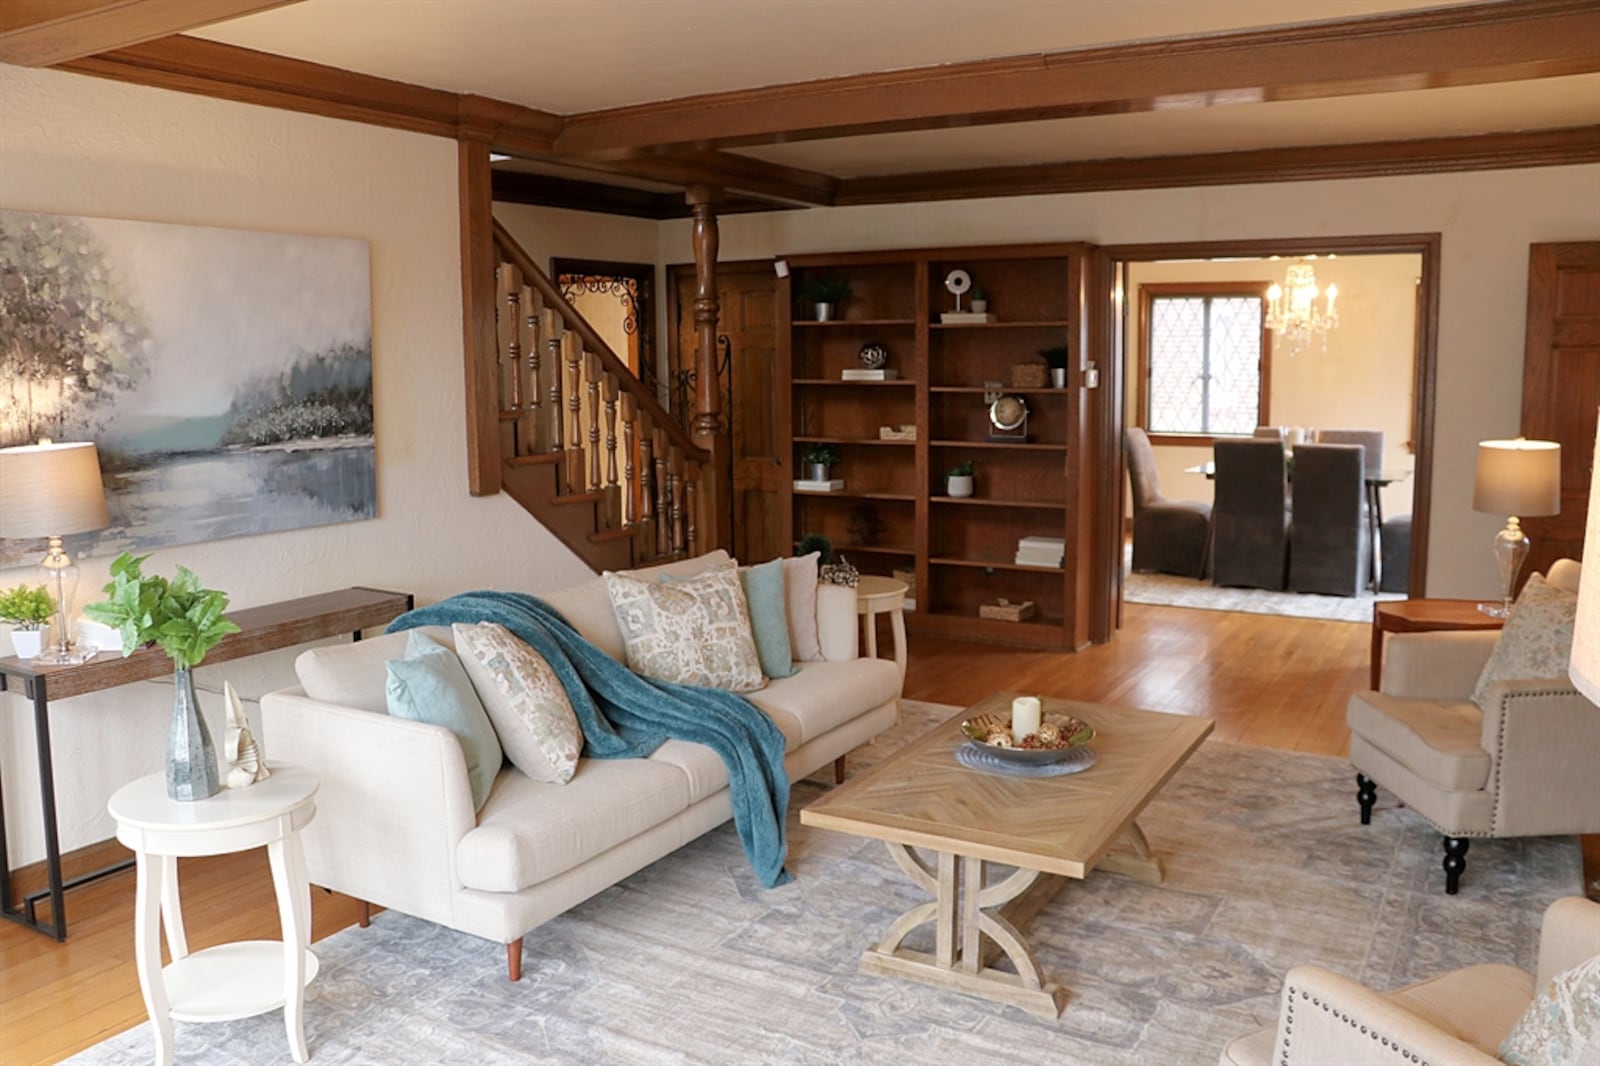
(1168, 590)
(690, 961)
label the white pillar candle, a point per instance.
(1026, 712)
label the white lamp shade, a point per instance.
(1518, 477)
(1585, 667)
(50, 490)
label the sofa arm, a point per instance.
(393, 803)
(1436, 666)
(1544, 738)
(838, 628)
(1570, 935)
(1328, 1020)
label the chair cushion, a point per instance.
(1438, 740)
(1561, 1027)
(1537, 639)
(430, 685)
(525, 700)
(693, 632)
(1477, 1004)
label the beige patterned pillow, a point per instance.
(695, 631)
(525, 700)
(1537, 639)
(1561, 1027)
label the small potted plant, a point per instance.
(1056, 359)
(980, 300)
(185, 620)
(959, 481)
(825, 294)
(819, 460)
(27, 610)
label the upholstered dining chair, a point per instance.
(1369, 439)
(1269, 432)
(1169, 536)
(1250, 520)
(1330, 539)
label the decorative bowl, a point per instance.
(1074, 732)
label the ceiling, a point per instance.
(801, 102)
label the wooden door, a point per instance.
(748, 382)
(1561, 385)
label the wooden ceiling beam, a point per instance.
(1495, 151)
(42, 33)
(545, 190)
(735, 173)
(1470, 45)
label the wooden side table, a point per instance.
(883, 595)
(228, 981)
(1422, 616)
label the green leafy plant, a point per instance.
(961, 469)
(179, 615)
(1056, 357)
(27, 608)
(825, 290)
(826, 454)
(978, 293)
(816, 542)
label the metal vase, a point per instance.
(824, 312)
(191, 758)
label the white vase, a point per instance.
(1058, 377)
(959, 484)
(980, 306)
(28, 643)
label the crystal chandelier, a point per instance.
(1292, 310)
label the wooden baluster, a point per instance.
(550, 415)
(592, 372)
(663, 504)
(611, 503)
(630, 445)
(528, 373)
(675, 496)
(691, 500)
(505, 333)
(572, 351)
(509, 323)
(647, 489)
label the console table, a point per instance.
(261, 629)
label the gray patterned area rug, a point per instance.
(690, 961)
(1169, 590)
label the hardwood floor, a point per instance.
(1271, 682)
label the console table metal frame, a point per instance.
(266, 628)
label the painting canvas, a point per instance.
(226, 375)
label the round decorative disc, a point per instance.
(958, 281)
(874, 356)
(1007, 412)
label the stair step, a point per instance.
(535, 460)
(606, 535)
(577, 497)
(509, 416)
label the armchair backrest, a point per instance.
(1564, 574)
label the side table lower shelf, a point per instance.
(229, 981)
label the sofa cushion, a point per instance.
(1438, 740)
(430, 685)
(693, 632)
(800, 598)
(526, 702)
(356, 674)
(588, 605)
(530, 831)
(823, 696)
(1537, 639)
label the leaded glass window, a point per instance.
(1205, 363)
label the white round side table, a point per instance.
(883, 595)
(230, 980)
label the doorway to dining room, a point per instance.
(1373, 370)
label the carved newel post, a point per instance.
(709, 424)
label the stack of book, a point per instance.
(809, 485)
(1044, 552)
(862, 374)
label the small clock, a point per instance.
(874, 356)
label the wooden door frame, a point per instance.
(1113, 402)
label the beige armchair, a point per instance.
(1523, 765)
(1459, 1017)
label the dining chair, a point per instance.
(1269, 432)
(1169, 536)
(1370, 439)
(1330, 538)
(1249, 520)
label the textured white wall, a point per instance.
(1487, 220)
(84, 146)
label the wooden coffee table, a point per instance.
(1049, 828)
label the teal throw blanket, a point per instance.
(626, 716)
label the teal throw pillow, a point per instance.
(769, 618)
(430, 685)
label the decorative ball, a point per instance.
(874, 356)
(1001, 738)
(1049, 734)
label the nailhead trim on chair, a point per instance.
(1327, 1008)
(1499, 755)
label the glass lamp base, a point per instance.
(1495, 610)
(55, 655)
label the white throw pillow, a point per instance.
(1537, 639)
(694, 631)
(800, 597)
(526, 701)
(1561, 1027)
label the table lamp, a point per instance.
(50, 490)
(1585, 667)
(1515, 478)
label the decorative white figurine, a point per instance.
(247, 763)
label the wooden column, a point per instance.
(479, 297)
(709, 426)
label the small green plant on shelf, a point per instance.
(819, 460)
(816, 542)
(958, 482)
(825, 294)
(26, 608)
(1056, 359)
(962, 469)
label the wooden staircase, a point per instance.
(585, 447)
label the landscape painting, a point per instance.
(226, 375)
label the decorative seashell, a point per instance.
(1049, 734)
(247, 763)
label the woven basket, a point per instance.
(1007, 612)
(1029, 375)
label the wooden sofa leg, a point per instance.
(1455, 860)
(514, 960)
(838, 770)
(366, 914)
(1366, 795)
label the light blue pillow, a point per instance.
(430, 685)
(769, 617)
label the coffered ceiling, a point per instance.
(801, 102)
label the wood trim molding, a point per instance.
(1466, 45)
(1494, 151)
(479, 297)
(42, 33)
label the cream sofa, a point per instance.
(395, 824)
